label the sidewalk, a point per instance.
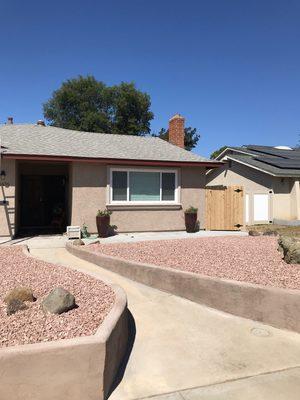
(191, 352)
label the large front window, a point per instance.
(140, 186)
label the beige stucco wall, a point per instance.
(283, 200)
(88, 183)
(90, 193)
(282, 192)
(7, 193)
(238, 174)
(295, 199)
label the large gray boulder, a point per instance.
(19, 293)
(285, 242)
(290, 247)
(293, 254)
(15, 305)
(58, 301)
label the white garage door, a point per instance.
(261, 207)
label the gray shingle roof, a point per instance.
(52, 141)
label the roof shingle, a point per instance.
(51, 141)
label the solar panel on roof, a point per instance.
(281, 162)
(275, 152)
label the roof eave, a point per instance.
(34, 157)
(221, 155)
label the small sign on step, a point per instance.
(73, 232)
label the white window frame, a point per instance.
(128, 202)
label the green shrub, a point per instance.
(191, 210)
(84, 231)
(103, 213)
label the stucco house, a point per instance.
(52, 176)
(270, 177)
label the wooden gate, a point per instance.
(224, 208)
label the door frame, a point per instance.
(42, 169)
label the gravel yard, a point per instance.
(93, 297)
(248, 259)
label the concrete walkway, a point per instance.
(44, 241)
(186, 351)
(144, 236)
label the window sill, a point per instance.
(128, 206)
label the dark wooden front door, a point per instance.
(43, 202)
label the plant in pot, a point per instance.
(190, 219)
(103, 222)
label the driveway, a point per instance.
(183, 350)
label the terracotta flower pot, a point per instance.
(103, 223)
(190, 222)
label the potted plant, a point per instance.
(103, 222)
(190, 218)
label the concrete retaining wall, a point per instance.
(277, 307)
(69, 369)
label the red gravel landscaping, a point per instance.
(93, 297)
(248, 259)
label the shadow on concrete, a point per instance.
(131, 340)
(16, 241)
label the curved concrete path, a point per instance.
(183, 350)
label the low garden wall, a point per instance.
(69, 369)
(274, 306)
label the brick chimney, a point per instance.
(176, 130)
(10, 120)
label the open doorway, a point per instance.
(43, 200)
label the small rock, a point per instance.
(15, 305)
(78, 242)
(270, 232)
(58, 301)
(253, 233)
(20, 293)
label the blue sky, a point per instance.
(231, 67)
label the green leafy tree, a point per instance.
(217, 152)
(130, 110)
(191, 137)
(85, 104)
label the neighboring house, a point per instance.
(52, 177)
(270, 177)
